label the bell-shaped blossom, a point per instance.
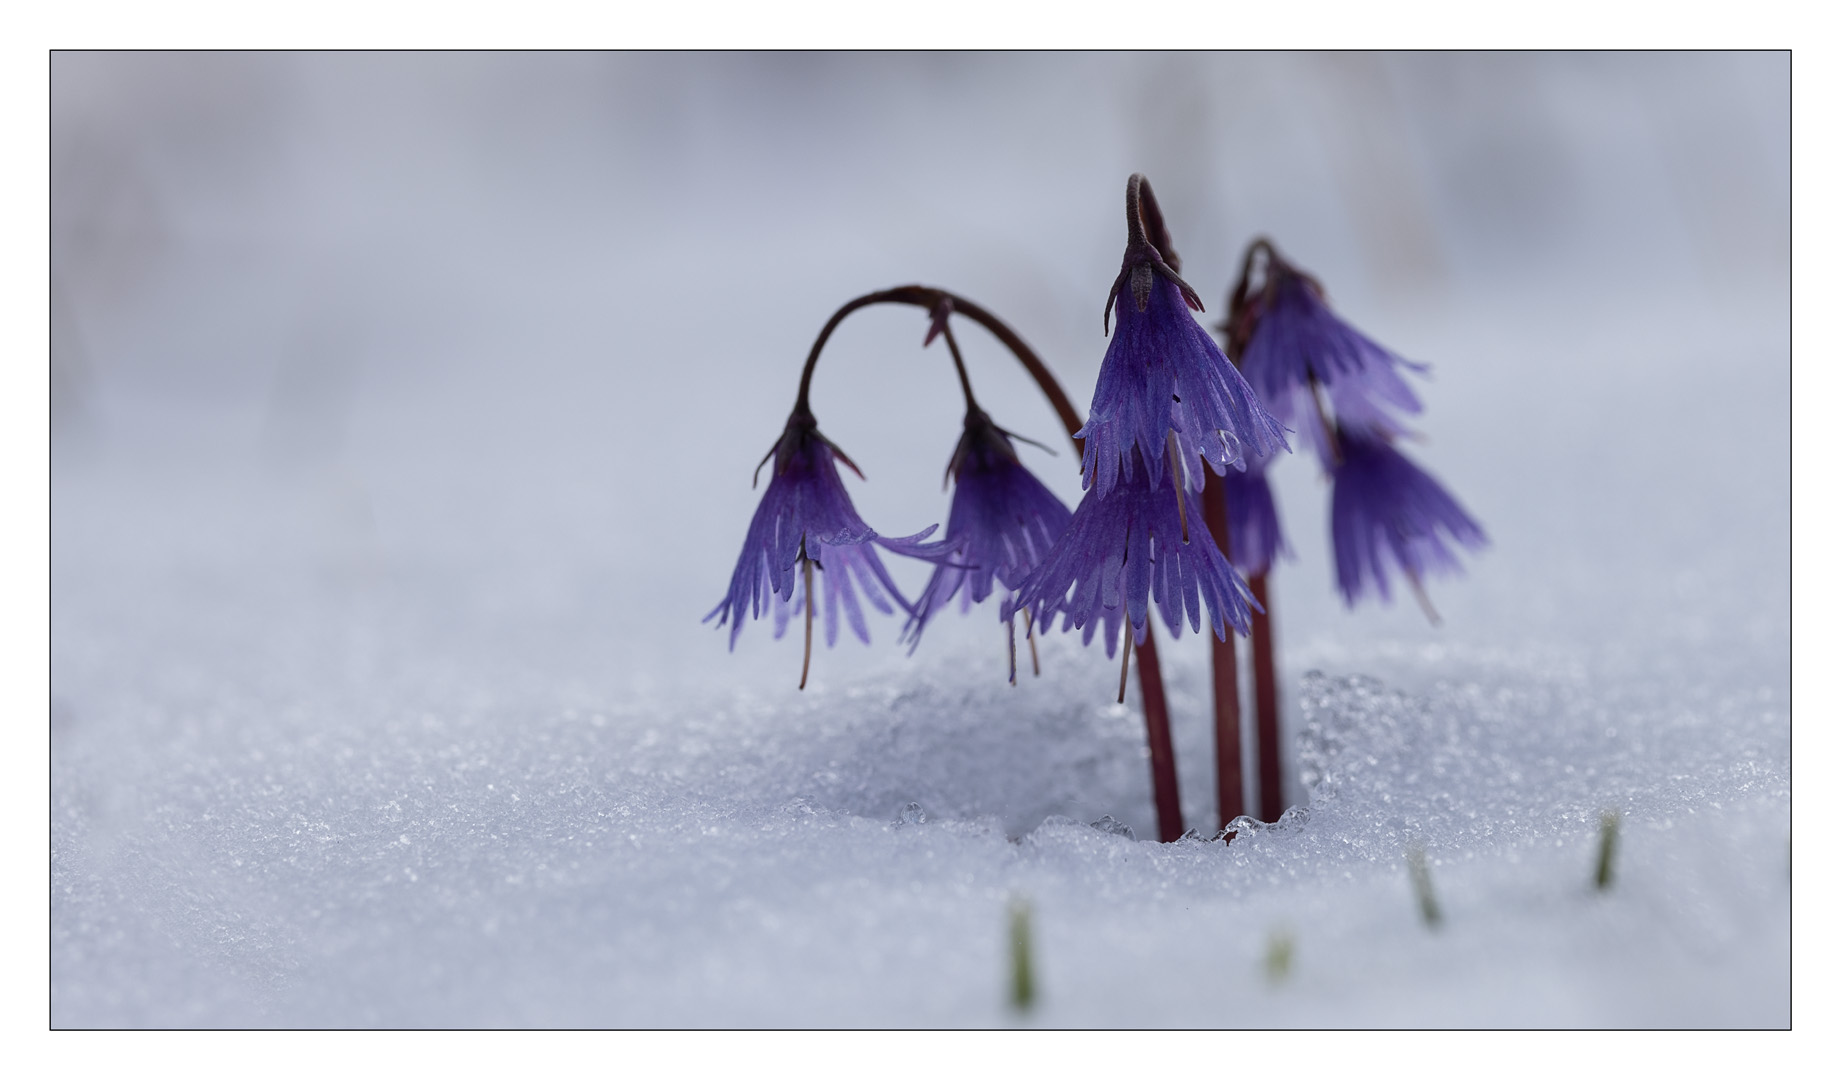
(1387, 514)
(806, 516)
(1295, 345)
(1003, 521)
(1163, 373)
(1125, 549)
(1255, 538)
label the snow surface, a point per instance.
(404, 409)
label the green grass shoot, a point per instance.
(1422, 886)
(1607, 846)
(1022, 971)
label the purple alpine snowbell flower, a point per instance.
(1125, 548)
(1294, 344)
(806, 522)
(1003, 521)
(1386, 510)
(1166, 395)
(1164, 374)
(1255, 538)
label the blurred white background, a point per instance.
(526, 322)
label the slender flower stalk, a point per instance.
(1256, 541)
(1230, 784)
(1265, 704)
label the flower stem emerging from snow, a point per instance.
(1022, 971)
(1224, 665)
(1422, 886)
(1608, 822)
(1265, 704)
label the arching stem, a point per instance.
(952, 346)
(926, 297)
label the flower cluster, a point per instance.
(1169, 406)
(1298, 348)
(1167, 402)
(1326, 379)
(1140, 542)
(1002, 522)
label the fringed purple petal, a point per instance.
(806, 509)
(1124, 550)
(1298, 340)
(1387, 513)
(1163, 374)
(1003, 521)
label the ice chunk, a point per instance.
(1110, 824)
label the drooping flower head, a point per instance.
(1291, 346)
(806, 524)
(1163, 374)
(1125, 549)
(1003, 520)
(1387, 514)
(1166, 396)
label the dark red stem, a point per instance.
(1265, 704)
(929, 298)
(1163, 751)
(1230, 782)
